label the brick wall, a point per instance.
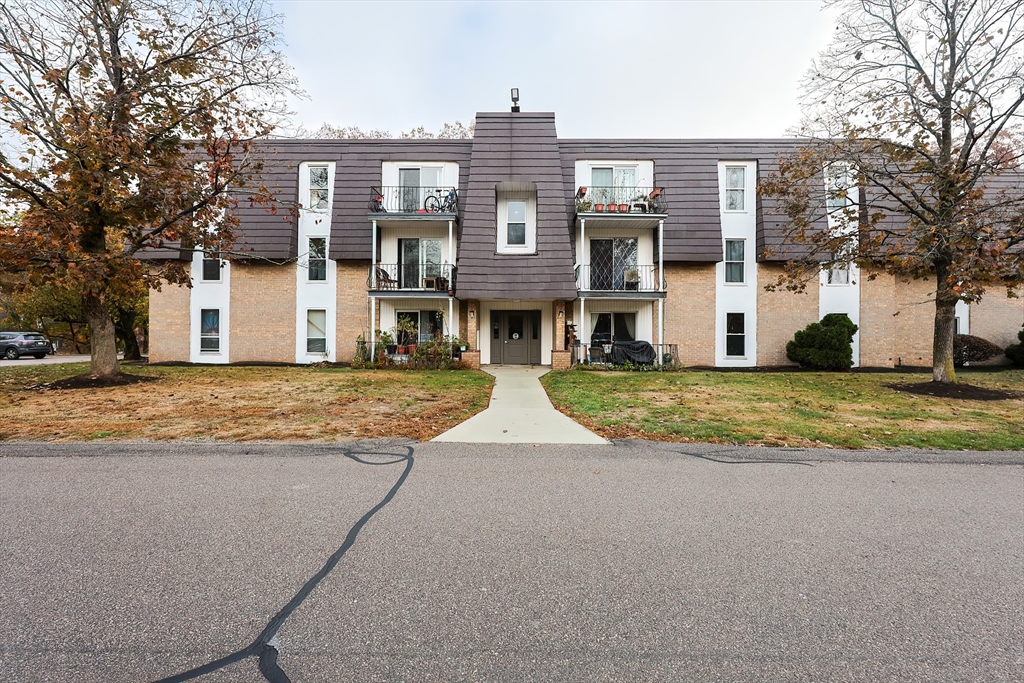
(560, 360)
(262, 312)
(353, 308)
(169, 324)
(558, 328)
(914, 322)
(690, 312)
(472, 324)
(877, 325)
(997, 318)
(780, 315)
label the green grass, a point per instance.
(850, 410)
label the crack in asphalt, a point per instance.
(264, 647)
(746, 461)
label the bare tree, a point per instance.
(128, 125)
(914, 124)
(450, 131)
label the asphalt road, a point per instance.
(48, 360)
(630, 562)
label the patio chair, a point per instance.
(385, 281)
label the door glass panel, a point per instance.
(515, 326)
(601, 264)
(409, 255)
(625, 327)
(409, 180)
(624, 258)
(430, 179)
(431, 325)
(431, 258)
(625, 181)
(601, 179)
(405, 338)
(602, 332)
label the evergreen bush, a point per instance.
(970, 349)
(1015, 352)
(824, 345)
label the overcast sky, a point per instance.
(719, 68)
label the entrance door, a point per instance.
(515, 337)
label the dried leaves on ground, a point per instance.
(238, 403)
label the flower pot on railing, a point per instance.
(612, 208)
(391, 349)
(598, 208)
(623, 208)
(402, 350)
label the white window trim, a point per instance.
(326, 337)
(220, 336)
(502, 246)
(726, 335)
(849, 277)
(725, 270)
(327, 257)
(306, 193)
(726, 188)
(202, 271)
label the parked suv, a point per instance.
(14, 345)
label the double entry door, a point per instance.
(515, 337)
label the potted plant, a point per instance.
(388, 341)
(599, 207)
(640, 204)
(405, 331)
(583, 206)
(611, 208)
(623, 208)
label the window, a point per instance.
(734, 270)
(209, 330)
(316, 259)
(415, 184)
(419, 263)
(318, 188)
(316, 331)
(516, 227)
(429, 326)
(612, 327)
(211, 268)
(735, 337)
(517, 222)
(838, 275)
(735, 188)
(837, 183)
(613, 185)
(613, 264)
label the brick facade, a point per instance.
(262, 312)
(169, 324)
(914, 322)
(560, 360)
(353, 308)
(690, 312)
(780, 315)
(998, 318)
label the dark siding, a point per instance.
(519, 148)
(688, 172)
(265, 234)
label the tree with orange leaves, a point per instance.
(126, 126)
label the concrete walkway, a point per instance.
(519, 412)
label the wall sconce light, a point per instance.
(472, 314)
(561, 314)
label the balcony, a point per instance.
(412, 278)
(431, 203)
(609, 278)
(620, 200)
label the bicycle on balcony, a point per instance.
(435, 203)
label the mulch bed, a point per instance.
(966, 392)
(88, 381)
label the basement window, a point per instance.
(735, 335)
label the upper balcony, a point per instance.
(403, 203)
(620, 205)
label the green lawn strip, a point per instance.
(852, 410)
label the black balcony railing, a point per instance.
(414, 200)
(592, 278)
(665, 355)
(424, 277)
(620, 199)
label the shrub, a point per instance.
(1015, 352)
(825, 345)
(970, 349)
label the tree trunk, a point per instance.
(102, 338)
(124, 325)
(942, 336)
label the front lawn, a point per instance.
(240, 403)
(848, 410)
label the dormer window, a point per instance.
(735, 188)
(517, 221)
(318, 188)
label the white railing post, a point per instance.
(661, 255)
(373, 257)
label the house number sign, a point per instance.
(515, 335)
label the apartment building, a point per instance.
(515, 237)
